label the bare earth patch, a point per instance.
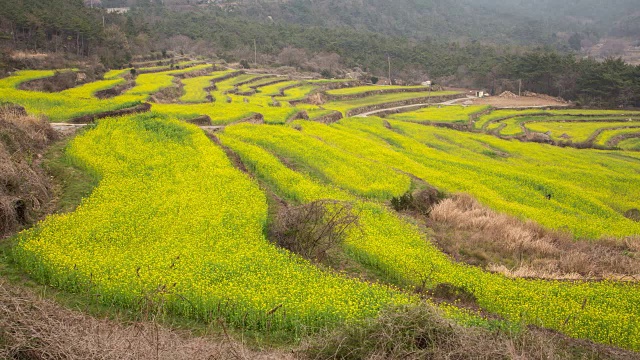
(517, 102)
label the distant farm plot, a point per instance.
(445, 114)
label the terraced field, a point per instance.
(576, 126)
(174, 220)
(441, 114)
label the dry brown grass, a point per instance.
(62, 80)
(475, 234)
(35, 328)
(24, 188)
(420, 332)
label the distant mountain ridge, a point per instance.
(515, 21)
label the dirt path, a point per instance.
(416, 106)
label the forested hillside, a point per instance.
(315, 36)
(516, 22)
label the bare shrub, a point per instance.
(291, 56)
(311, 230)
(421, 202)
(453, 294)
(632, 214)
(475, 234)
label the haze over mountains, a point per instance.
(518, 21)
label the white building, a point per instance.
(122, 10)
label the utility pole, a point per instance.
(520, 87)
(255, 52)
(389, 59)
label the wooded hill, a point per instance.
(68, 26)
(515, 22)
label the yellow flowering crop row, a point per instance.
(447, 114)
(362, 177)
(606, 312)
(64, 105)
(172, 219)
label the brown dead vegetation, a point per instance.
(87, 119)
(36, 329)
(25, 189)
(475, 234)
(313, 230)
(62, 80)
(421, 332)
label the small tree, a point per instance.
(374, 79)
(245, 64)
(326, 74)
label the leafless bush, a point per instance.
(311, 230)
(632, 214)
(475, 234)
(291, 56)
(421, 202)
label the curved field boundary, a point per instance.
(500, 120)
(281, 91)
(364, 94)
(418, 100)
(168, 68)
(257, 78)
(145, 107)
(281, 80)
(300, 115)
(613, 142)
(598, 132)
(543, 113)
(227, 77)
(385, 113)
(25, 85)
(475, 116)
(321, 88)
(334, 116)
(161, 62)
(337, 85)
(539, 137)
(115, 91)
(410, 108)
(589, 141)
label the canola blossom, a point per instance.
(605, 312)
(172, 218)
(64, 105)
